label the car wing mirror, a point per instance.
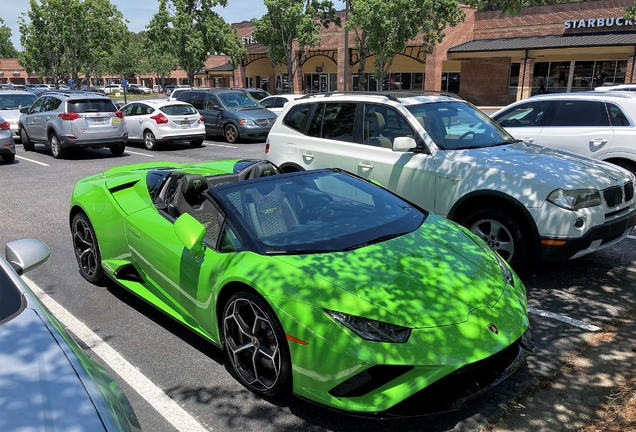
(403, 144)
(26, 254)
(25, 110)
(191, 233)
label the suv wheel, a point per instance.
(503, 233)
(149, 140)
(117, 149)
(196, 143)
(231, 133)
(57, 150)
(26, 143)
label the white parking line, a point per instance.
(221, 145)
(140, 154)
(568, 320)
(631, 237)
(31, 160)
(166, 407)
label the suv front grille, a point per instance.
(265, 122)
(614, 196)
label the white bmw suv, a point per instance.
(526, 201)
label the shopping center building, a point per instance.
(487, 59)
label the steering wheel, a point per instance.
(464, 135)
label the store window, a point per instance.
(513, 81)
(450, 82)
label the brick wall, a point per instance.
(485, 81)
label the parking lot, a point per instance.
(178, 382)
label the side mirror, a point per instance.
(403, 144)
(26, 254)
(191, 232)
(25, 110)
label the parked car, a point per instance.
(601, 125)
(113, 88)
(48, 382)
(170, 87)
(174, 93)
(617, 87)
(7, 145)
(138, 89)
(158, 121)
(64, 120)
(319, 283)
(526, 201)
(11, 102)
(231, 113)
(276, 103)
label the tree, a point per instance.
(389, 25)
(128, 58)
(190, 30)
(293, 21)
(7, 50)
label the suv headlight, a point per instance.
(371, 330)
(575, 199)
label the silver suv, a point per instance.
(70, 119)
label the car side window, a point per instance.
(128, 110)
(37, 106)
(524, 115)
(197, 100)
(617, 116)
(296, 116)
(580, 113)
(268, 103)
(210, 101)
(333, 121)
(49, 104)
(279, 102)
(382, 124)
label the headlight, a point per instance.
(248, 122)
(575, 199)
(505, 270)
(371, 330)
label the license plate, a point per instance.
(185, 124)
(98, 120)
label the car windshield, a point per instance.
(458, 125)
(10, 298)
(178, 110)
(91, 105)
(259, 95)
(238, 100)
(16, 101)
(317, 211)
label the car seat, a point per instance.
(190, 199)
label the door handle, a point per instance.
(48, 118)
(308, 156)
(365, 166)
(528, 139)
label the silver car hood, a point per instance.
(39, 388)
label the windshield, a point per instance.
(317, 211)
(10, 297)
(16, 101)
(458, 125)
(238, 100)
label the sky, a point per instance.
(139, 13)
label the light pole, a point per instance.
(346, 46)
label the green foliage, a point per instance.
(385, 27)
(69, 37)
(190, 31)
(289, 21)
(7, 50)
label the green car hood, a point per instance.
(434, 276)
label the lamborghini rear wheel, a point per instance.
(86, 249)
(256, 345)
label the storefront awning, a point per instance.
(541, 42)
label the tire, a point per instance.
(8, 158)
(26, 143)
(149, 140)
(259, 354)
(504, 233)
(231, 133)
(87, 254)
(117, 149)
(196, 143)
(57, 150)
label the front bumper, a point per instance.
(253, 132)
(595, 239)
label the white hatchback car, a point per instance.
(276, 103)
(601, 125)
(525, 201)
(157, 121)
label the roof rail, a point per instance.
(353, 92)
(393, 95)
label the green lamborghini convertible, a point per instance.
(318, 283)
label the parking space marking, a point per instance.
(565, 319)
(140, 154)
(631, 237)
(166, 407)
(31, 160)
(221, 145)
